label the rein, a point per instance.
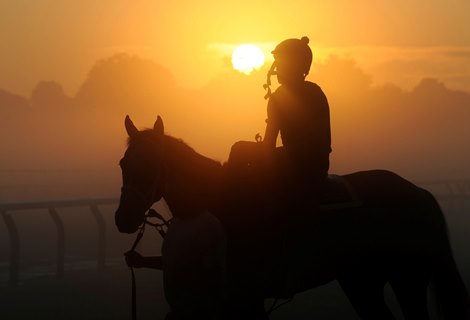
(148, 198)
(151, 213)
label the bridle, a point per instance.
(148, 198)
(161, 227)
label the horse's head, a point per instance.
(142, 175)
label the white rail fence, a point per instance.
(455, 194)
(8, 210)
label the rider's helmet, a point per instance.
(292, 56)
(295, 53)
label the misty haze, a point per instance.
(420, 134)
(60, 147)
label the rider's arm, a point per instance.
(136, 260)
(272, 127)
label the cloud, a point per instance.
(405, 66)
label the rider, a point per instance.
(298, 110)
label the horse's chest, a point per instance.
(193, 255)
(193, 240)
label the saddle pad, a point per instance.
(337, 193)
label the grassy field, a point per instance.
(87, 295)
(84, 294)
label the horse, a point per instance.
(396, 235)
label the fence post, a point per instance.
(60, 241)
(101, 236)
(14, 248)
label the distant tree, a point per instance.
(125, 81)
(50, 95)
(12, 102)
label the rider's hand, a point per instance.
(134, 259)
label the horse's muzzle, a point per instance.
(127, 221)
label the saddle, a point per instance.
(337, 193)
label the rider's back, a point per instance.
(302, 115)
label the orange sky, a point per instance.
(399, 41)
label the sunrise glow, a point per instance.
(246, 58)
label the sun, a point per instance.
(246, 58)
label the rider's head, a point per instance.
(292, 61)
(292, 58)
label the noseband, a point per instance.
(148, 198)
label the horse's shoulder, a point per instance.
(201, 230)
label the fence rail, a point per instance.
(8, 209)
(455, 191)
(449, 190)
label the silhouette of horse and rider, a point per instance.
(256, 227)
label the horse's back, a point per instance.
(395, 217)
(377, 184)
(387, 195)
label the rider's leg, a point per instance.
(302, 211)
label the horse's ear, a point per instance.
(158, 126)
(130, 127)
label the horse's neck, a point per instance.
(196, 239)
(195, 179)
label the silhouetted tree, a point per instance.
(125, 81)
(10, 101)
(49, 94)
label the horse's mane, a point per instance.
(180, 147)
(176, 145)
(199, 178)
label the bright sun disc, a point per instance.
(246, 58)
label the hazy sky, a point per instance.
(398, 41)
